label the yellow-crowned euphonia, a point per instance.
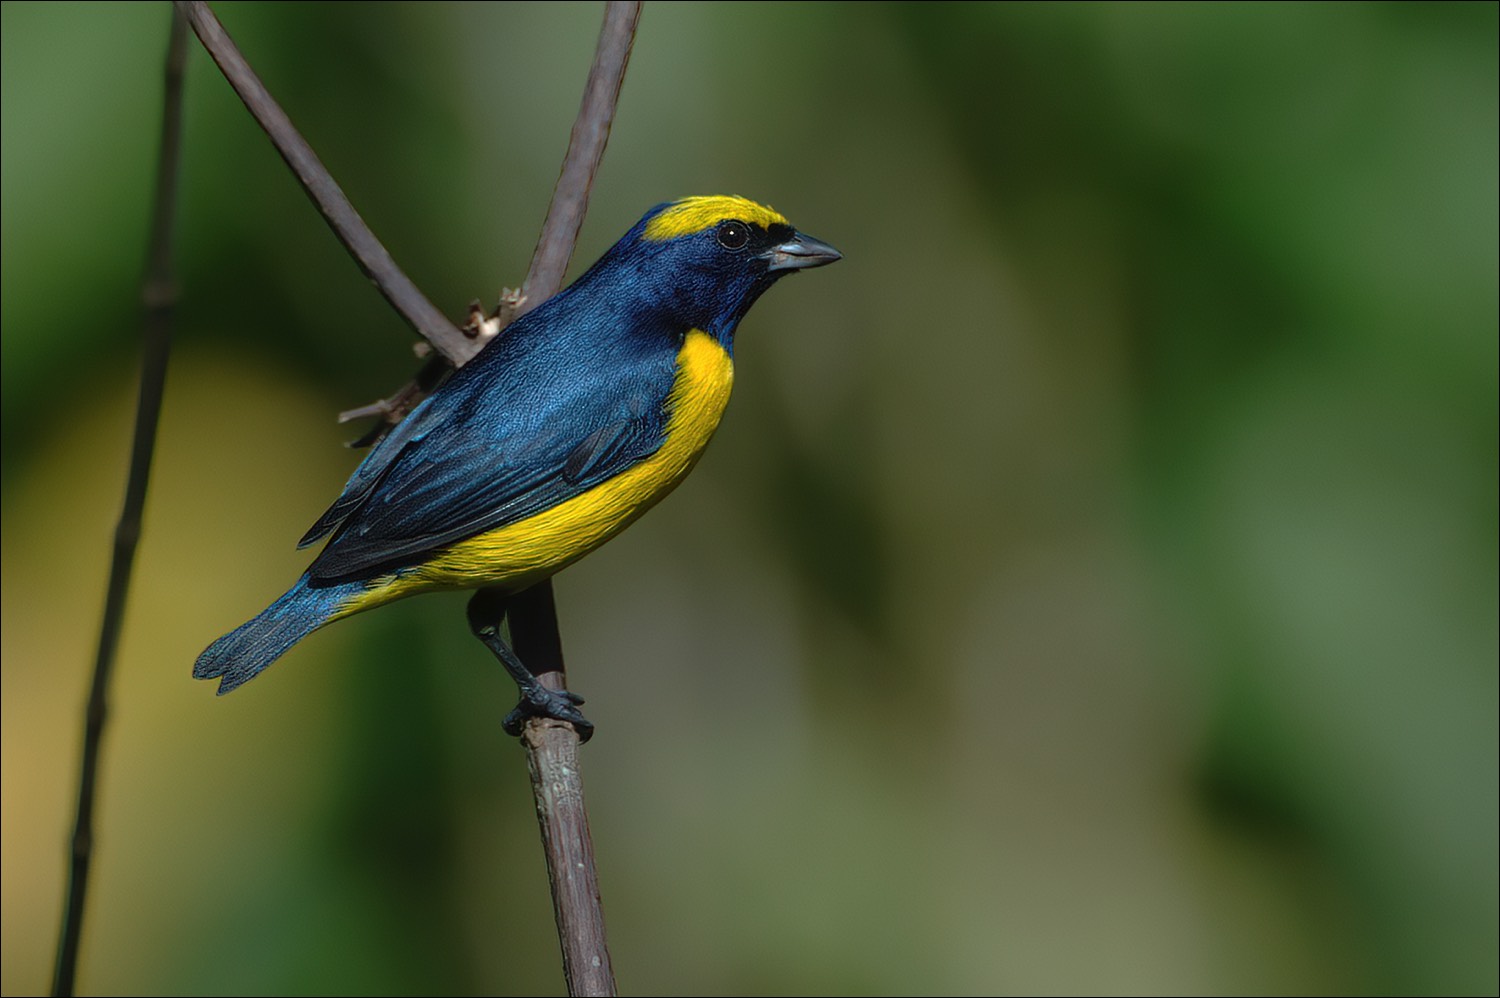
(561, 432)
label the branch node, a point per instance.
(378, 408)
(481, 327)
(508, 307)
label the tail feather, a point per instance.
(240, 655)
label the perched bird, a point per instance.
(556, 436)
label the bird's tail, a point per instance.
(240, 655)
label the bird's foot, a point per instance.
(538, 701)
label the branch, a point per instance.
(351, 230)
(159, 298)
(554, 247)
(552, 748)
(552, 760)
(570, 198)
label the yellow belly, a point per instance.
(519, 554)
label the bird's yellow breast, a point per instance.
(522, 553)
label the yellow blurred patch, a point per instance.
(187, 779)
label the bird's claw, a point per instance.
(560, 705)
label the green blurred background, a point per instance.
(1091, 589)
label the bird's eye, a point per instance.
(733, 235)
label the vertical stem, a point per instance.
(533, 615)
(552, 747)
(159, 297)
(570, 197)
(552, 758)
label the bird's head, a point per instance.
(705, 260)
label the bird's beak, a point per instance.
(799, 253)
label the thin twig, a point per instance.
(552, 748)
(159, 298)
(351, 230)
(570, 198)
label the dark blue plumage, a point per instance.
(567, 396)
(240, 655)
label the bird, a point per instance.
(561, 432)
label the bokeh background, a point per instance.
(1092, 587)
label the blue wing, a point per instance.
(523, 427)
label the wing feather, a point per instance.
(486, 453)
